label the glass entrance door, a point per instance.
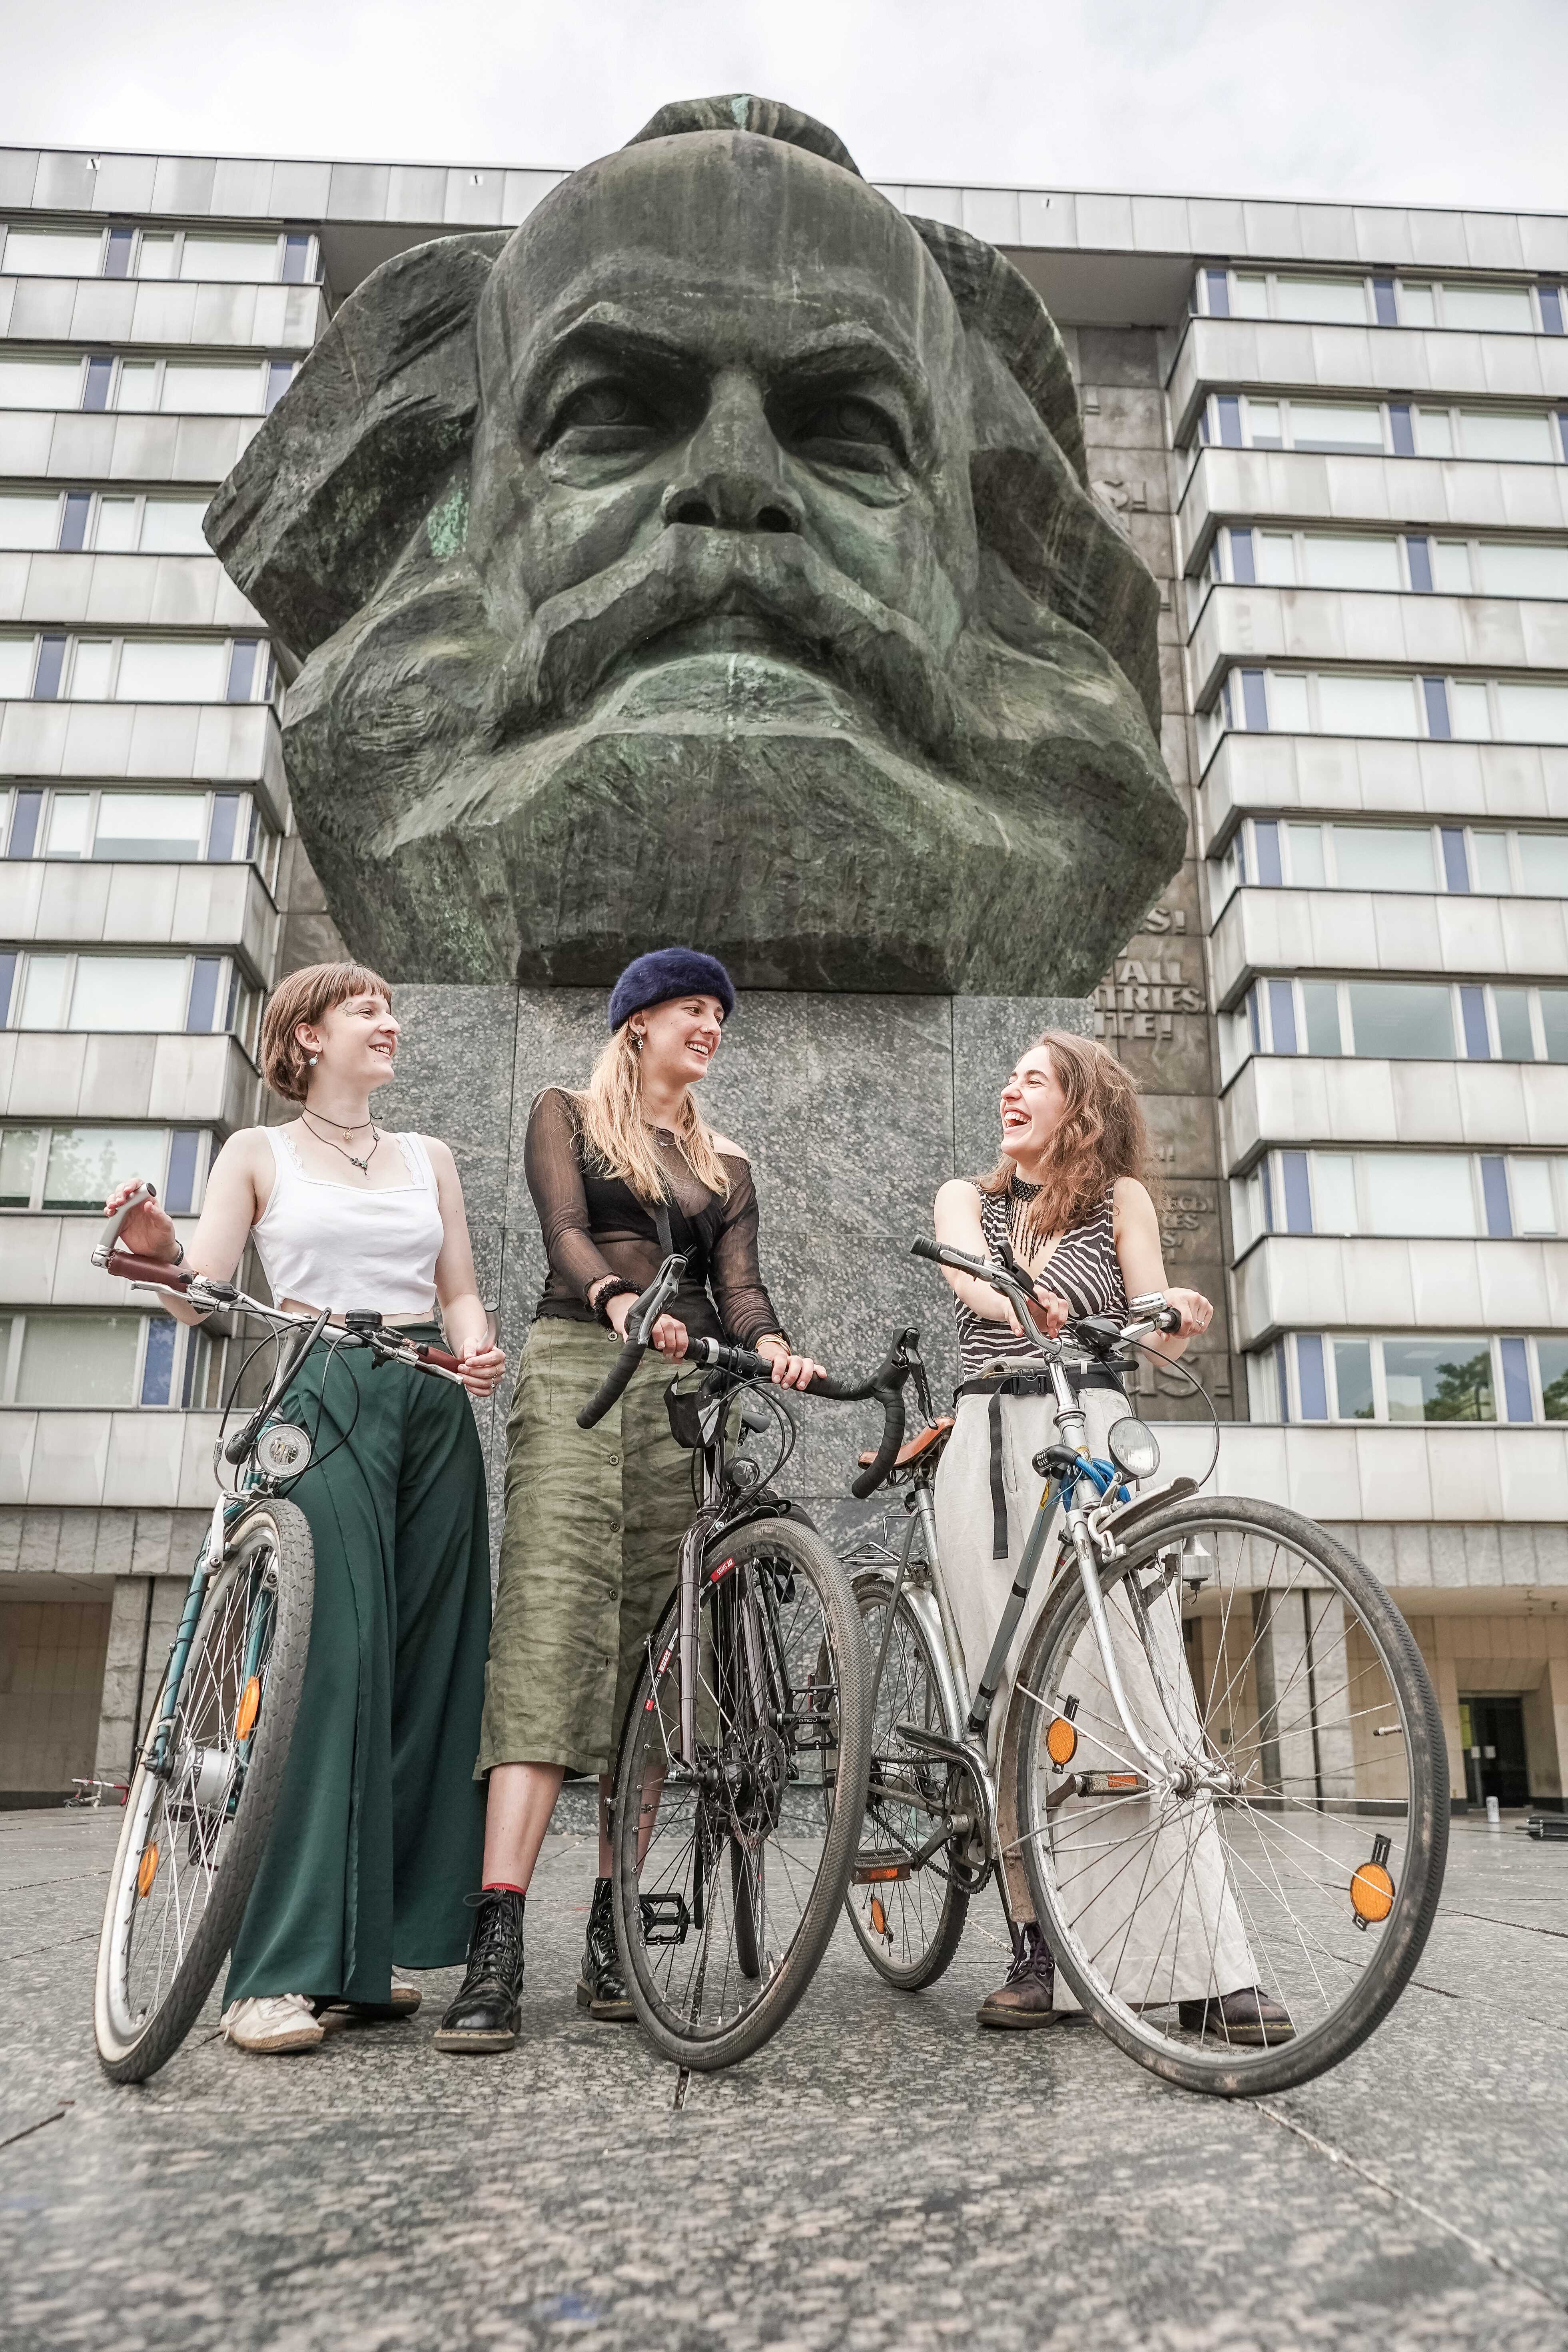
(1492, 1733)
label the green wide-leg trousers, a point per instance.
(378, 1832)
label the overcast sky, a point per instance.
(1428, 101)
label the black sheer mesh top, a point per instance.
(594, 1224)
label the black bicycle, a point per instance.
(742, 1772)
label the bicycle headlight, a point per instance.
(1133, 1448)
(282, 1451)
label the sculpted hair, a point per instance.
(308, 994)
(618, 1137)
(1100, 1137)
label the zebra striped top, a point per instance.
(1083, 1268)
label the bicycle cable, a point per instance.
(1174, 1364)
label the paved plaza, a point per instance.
(883, 2175)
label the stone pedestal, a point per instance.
(853, 1109)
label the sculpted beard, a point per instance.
(801, 607)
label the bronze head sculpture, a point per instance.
(710, 558)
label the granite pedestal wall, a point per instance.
(853, 1109)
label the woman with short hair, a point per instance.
(1070, 1195)
(378, 1828)
(622, 1172)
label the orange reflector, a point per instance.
(1372, 1893)
(1061, 1741)
(878, 1916)
(250, 1708)
(1123, 1780)
(147, 1870)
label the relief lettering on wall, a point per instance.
(1144, 993)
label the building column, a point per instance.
(1303, 1694)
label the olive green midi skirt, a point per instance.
(590, 1552)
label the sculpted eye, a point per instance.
(609, 414)
(847, 429)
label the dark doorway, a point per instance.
(1492, 1730)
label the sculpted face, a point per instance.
(711, 559)
(720, 422)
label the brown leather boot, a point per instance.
(1249, 2017)
(1022, 1998)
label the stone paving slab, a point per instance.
(882, 2176)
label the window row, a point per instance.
(130, 993)
(165, 828)
(1414, 564)
(104, 1360)
(177, 387)
(125, 249)
(1403, 1021)
(55, 667)
(1271, 853)
(76, 1168)
(1319, 1376)
(1355, 702)
(1466, 303)
(1391, 428)
(34, 522)
(1404, 1195)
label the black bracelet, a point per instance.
(616, 1289)
(179, 1257)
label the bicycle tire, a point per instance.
(1394, 1656)
(802, 1554)
(873, 1589)
(132, 2056)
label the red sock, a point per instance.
(502, 1886)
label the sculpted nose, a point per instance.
(731, 477)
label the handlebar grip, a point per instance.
(924, 1248)
(111, 1235)
(612, 1386)
(888, 1451)
(128, 1267)
(439, 1358)
(1169, 1318)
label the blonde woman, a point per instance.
(1071, 1194)
(377, 1830)
(619, 1173)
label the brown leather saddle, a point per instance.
(926, 1443)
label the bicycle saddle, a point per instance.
(925, 1440)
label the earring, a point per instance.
(312, 1059)
(636, 1041)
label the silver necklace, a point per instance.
(353, 1159)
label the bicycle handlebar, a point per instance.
(885, 1384)
(1157, 1313)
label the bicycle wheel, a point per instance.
(717, 1956)
(1302, 1853)
(909, 1926)
(193, 1833)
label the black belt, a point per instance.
(1092, 1376)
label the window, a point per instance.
(92, 670)
(1490, 310)
(172, 527)
(1551, 301)
(52, 253)
(50, 667)
(1337, 425)
(69, 829)
(1532, 714)
(1418, 1193)
(1408, 1377)
(117, 253)
(71, 1169)
(201, 388)
(1350, 563)
(28, 523)
(79, 1359)
(296, 261)
(1402, 1020)
(41, 384)
(1552, 1360)
(1519, 568)
(1438, 1380)
(129, 993)
(1364, 705)
(233, 260)
(173, 670)
(1382, 857)
(1331, 301)
(279, 376)
(16, 667)
(1352, 1379)
(137, 393)
(1497, 432)
(140, 826)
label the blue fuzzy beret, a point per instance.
(664, 973)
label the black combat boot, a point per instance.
(601, 1988)
(486, 2012)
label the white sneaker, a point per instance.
(269, 2026)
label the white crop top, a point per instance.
(330, 1244)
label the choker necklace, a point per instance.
(353, 1159)
(1022, 1189)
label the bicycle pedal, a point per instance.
(879, 1869)
(665, 1919)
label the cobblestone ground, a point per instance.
(883, 2175)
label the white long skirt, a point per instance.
(1170, 1926)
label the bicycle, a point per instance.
(1220, 1739)
(206, 1783)
(741, 1773)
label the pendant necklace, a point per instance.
(352, 1157)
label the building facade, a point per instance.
(1339, 437)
